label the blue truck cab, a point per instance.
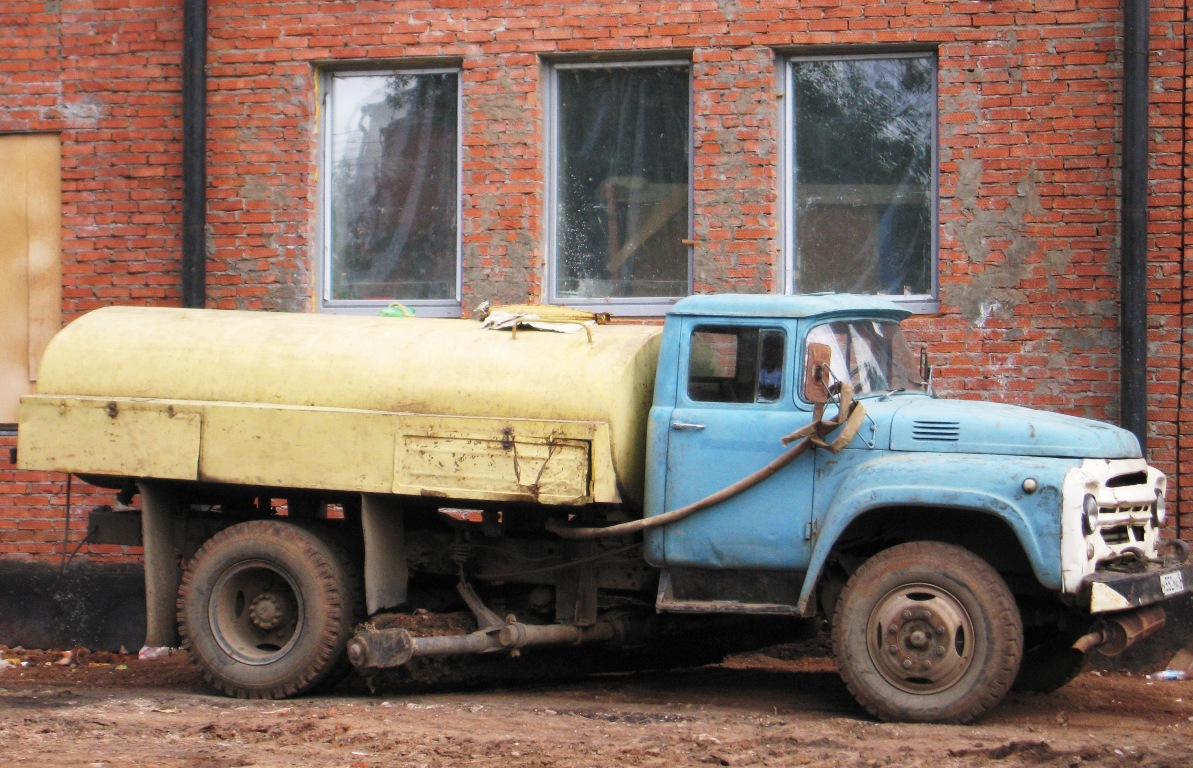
(958, 547)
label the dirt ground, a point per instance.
(102, 709)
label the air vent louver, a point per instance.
(937, 431)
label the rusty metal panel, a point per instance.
(109, 437)
(513, 460)
(552, 462)
(297, 447)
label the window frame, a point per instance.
(805, 337)
(637, 306)
(726, 326)
(926, 303)
(448, 307)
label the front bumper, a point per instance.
(1107, 591)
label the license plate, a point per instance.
(1171, 583)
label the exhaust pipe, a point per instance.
(1115, 634)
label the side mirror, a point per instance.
(816, 366)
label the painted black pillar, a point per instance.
(194, 153)
(1133, 223)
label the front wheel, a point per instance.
(266, 609)
(927, 632)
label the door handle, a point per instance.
(685, 425)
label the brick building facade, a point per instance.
(986, 134)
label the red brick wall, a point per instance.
(33, 523)
(1029, 163)
(1177, 111)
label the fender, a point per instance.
(986, 484)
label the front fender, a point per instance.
(856, 482)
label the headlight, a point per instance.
(1159, 513)
(1089, 520)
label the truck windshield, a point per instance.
(872, 355)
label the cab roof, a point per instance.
(769, 305)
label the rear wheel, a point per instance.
(927, 632)
(266, 609)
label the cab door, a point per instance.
(734, 401)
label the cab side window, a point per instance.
(731, 364)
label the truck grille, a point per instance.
(1124, 534)
(1126, 518)
(1113, 509)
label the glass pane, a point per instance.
(872, 356)
(863, 178)
(622, 183)
(735, 365)
(393, 187)
(770, 367)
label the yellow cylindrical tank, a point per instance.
(404, 365)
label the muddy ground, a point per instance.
(101, 710)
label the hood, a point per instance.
(969, 426)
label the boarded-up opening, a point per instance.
(30, 271)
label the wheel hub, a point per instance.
(921, 638)
(256, 612)
(267, 611)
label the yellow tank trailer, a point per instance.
(371, 405)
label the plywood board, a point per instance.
(44, 214)
(30, 260)
(14, 276)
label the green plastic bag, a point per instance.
(397, 310)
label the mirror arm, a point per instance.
(926, 371)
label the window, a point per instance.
(620, 181)
(391, 191)
(870, 355)
(30, 266)
(729, 364)
(862, 176)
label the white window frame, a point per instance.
(422, 307)
(925, 303)
(644, 306)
